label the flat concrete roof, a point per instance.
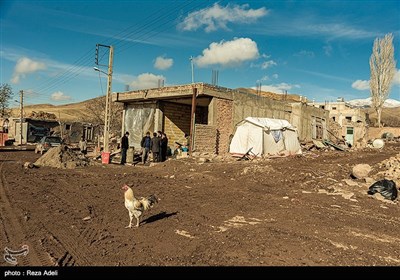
(173, 92)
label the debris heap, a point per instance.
(63, 157)
(392, 168)
(41, 115)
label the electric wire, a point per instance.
(84, 61)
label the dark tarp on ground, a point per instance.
(387, 188)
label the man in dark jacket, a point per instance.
(145, 144)
(124, 147)
(163, 147)
(155, 147)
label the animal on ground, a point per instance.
(136, 206)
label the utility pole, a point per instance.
(107, 118)
(21, 103)
(107, 115)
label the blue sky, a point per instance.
(318, 49)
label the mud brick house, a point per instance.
(352, 121)
(217, 112)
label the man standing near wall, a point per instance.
(124, 147)
(155, 147)
(145, 144)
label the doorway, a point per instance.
(350, 135)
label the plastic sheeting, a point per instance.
(271, 124)
(139, 118)
(387, 188)
(256, 133)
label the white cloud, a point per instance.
(278, 88)
(360, 85)
(264, 79)
(217, 17)
(267, 78)
(229, 53)
(268, 64)
(60, 96)
(364, 85)
(163, 63)
(338, 30)
(146, 80)
(24, 66)
(304, 53)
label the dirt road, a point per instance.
(282, 212)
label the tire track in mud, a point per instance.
(14, 231)
(63, 242)
(60, 246)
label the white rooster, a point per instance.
(135, 206)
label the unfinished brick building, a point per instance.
(217, 112)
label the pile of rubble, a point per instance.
(63, 157)
(42, 115)
(392, 169)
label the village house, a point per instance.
(345, 121)
(34, 129)
(216, 112)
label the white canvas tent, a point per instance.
(266, 137)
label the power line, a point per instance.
(125, 44)
(53, 81)
(101, 86)
(76, 69)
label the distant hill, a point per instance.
(367, 102)
(80, 112)
(66, 113)
(390, 113)
(390, 116)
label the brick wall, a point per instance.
(176, 122)
(205, 138)
(224, 123)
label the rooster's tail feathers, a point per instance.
(149, 202)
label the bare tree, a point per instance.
(5, 96)
(382, 65)
(96, 108)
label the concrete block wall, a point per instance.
(176, 122)
(251, 105)
(205, 138)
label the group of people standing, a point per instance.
(158, 145)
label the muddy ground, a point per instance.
(297, 211)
